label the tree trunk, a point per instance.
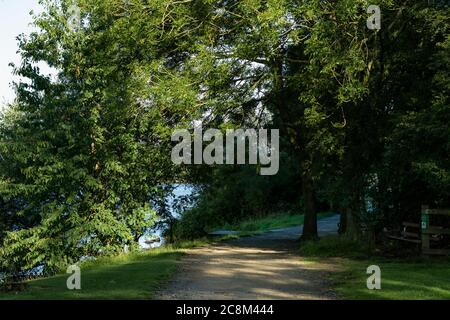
(310, 222)
(342, 221)
(353, 229)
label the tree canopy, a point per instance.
(85, 154)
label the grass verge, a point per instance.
(129, 276)
(401, 279)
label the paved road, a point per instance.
(261, 267)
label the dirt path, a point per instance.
(260, 267)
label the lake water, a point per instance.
(179, 191)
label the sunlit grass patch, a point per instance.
(401, 279)
(128, 276)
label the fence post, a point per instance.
(425, 223)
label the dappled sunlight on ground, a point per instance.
(262, 267)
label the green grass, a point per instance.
(129, 276)
(334, 246)
(270, 222)
(401, 279)
(139, 275)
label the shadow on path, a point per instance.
(261, 267)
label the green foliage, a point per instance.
(235, 194)
(395, 143)
(85, 155)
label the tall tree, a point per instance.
(301, 62)
(90, 149)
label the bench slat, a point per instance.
(411, 224)
(410, 234)
(432, 230)
(404, 239)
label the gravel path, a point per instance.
(260, 267)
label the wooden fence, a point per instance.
(429, 230)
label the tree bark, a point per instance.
(342, 221)
(310, 222)
(353, 229)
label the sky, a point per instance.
(14, 19)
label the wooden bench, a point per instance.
(410, 233)
(425, 233)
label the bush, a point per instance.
(191, 226)
(335, 246)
